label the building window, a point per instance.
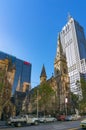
(82, 61)
(7, 91)
(65, 71)
(63, 31)
(66, 88)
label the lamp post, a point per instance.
(37, 104)
(66, 101)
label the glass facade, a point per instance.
(81, 40)
(23, 70)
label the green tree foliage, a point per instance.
(83, 87)
(2, 75)
(74, 100)
(45, 92)
(83, 101)
(45, 95)
(1, 86)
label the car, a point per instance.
(47, 119)
(79, 117)
(22, 120)
(69, 118)
(50, 119)
(76, 117)
(41, 119)
(61, 117)
(72, 117)
(83, 123)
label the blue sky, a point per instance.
(29, 29)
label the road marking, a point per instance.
(74, 129)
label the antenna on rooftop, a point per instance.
(69, 16)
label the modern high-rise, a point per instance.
(74, 46)
(22, 71)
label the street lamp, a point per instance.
(37, 104)
(66, 101)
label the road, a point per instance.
(71, 125)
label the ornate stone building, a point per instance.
(62, 78)
(43, 76)
(53, 104)
(59, 82)
(7, 72)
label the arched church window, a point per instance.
(66, 88)
(65, 71)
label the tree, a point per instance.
(46, 97)
(83, 87)
(2, 84)
(74, 101)
(82, 103)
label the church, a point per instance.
(59, 82)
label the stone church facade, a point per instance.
(59, 82)
(62, 79)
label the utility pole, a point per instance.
(66, 101)
(37, 104)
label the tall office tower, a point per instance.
(22, 72)
(74, 46)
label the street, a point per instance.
(67, 125)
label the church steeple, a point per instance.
(43, 75)
(59, 49)
(60, 64)
(61, 75)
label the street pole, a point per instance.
(66, 108)
(66, 101)
(37, 104)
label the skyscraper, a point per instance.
(74, 46)
(22, 72)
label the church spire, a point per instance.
(59, 49)
(43, 74)
(60, 64)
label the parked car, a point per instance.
(72, 117)
(42, 119)
(61, 117)
(76, 117)
(47, 119)
(83, 123)
(22, 120)
(69, 118)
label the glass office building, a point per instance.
(74, 46)
(23, 70)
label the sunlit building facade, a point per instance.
(74, 46)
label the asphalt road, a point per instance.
(67, 125)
